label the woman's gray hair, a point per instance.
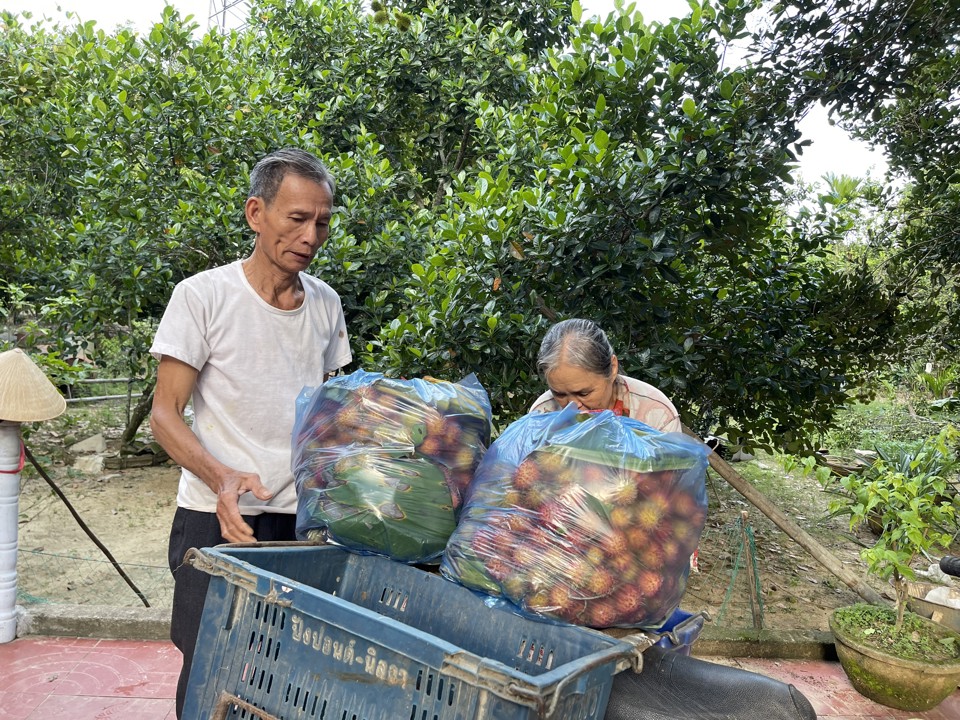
(268, 174)
(576, 342)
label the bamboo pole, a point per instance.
(797, 533)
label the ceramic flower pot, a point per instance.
(896, 682)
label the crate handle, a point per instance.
(639, 641)
(213, 566)
(478, 672)
(226, 700)
(245, 580)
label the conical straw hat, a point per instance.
(25, 392)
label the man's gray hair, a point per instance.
(576, 342)
(268, 174)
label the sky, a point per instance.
(833, 150)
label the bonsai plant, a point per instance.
(891, 655)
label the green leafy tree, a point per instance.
(498, 169)
(35, 194)
(889, 70)
(641, 186)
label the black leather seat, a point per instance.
(672, 686)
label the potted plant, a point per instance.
(891, 655)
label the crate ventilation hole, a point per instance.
(395, 599)
(536, 654)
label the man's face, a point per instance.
(294, 225)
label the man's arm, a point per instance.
(175, 383)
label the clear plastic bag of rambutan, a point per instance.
(585, 518)
(375, 458)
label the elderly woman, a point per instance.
(577, 362)
(578, 365)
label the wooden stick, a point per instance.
(797, 533)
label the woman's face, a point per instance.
(588, 390)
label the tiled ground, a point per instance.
(831, 694)
(80, 679)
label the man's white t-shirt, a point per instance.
(253, 360)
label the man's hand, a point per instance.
(232, 526)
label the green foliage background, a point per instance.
(499, 167)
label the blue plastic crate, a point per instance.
(318, 632)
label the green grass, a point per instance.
(885, 422)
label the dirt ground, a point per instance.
(130, 510)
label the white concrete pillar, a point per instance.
(11, 463)
(26, 395)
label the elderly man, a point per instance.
(242, 340)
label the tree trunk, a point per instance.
(139, 414)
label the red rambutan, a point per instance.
(628, 600)
(648, 582)
(621, 518)
(601, 583)
(601, 614)
(526, 474)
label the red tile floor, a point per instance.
(830, 693)
(44, 678)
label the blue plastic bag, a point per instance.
(586, 518)
(381, 464)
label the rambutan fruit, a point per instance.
(698, 518)
(498, 569)
(672, 551)
(595, 555)
(559, 596)
(621, 518)
(651, 556)
(685, 534)
(594, 476)
(570, 613)
(646, 483)
(511, 498)
(555, 515)
(637, 538)
(537, 599)
(349, 416)
(623, 492)
(601, 614)
(578, 573)
(621, 564)
(535, 495)
(452, 434)
(516, 585)
(515, 523)
(432, 446)
(525, 556)
(628, 601)
(434, 421)
(464, 456)
(683, 505)
(526, 474)
(648, 515)
(628, 575)
(615, 543)
(648, 582)
(601, 583)
(551, 460)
